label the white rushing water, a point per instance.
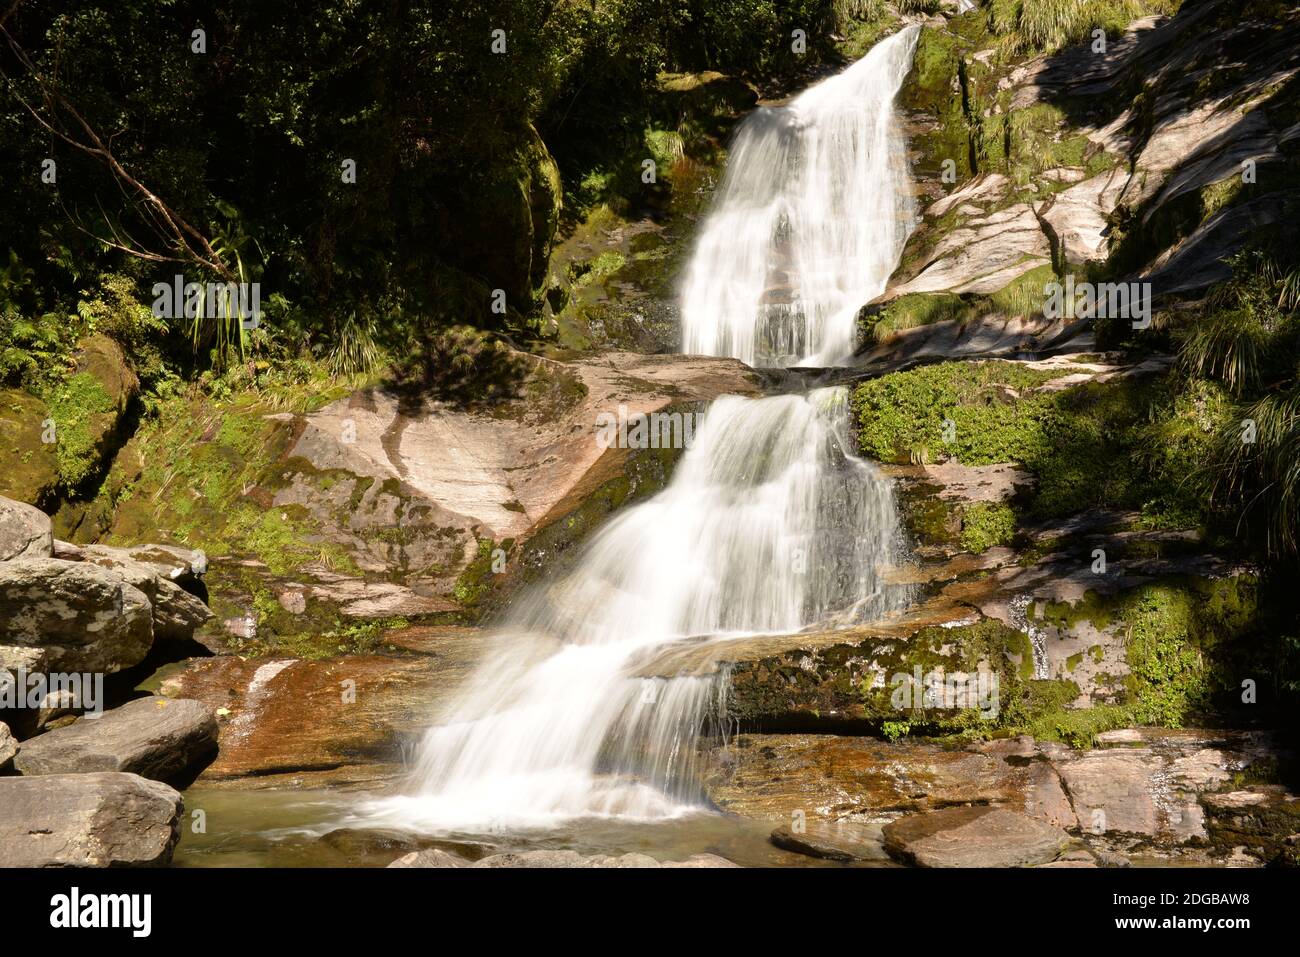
(809, 222)
(766, 527)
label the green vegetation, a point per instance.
(1123, 444)
(1042, 26)
(187, 475)
(986, 524)
(74, 405)
(1169, 673)
(1246, 340)
(1184, 638)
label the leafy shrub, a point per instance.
(986, 524)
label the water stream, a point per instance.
(769, 525)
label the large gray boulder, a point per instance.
(24, 531)
(157, 738)
(973, 837)
(87, 618)
(105, 819)
(156, 570)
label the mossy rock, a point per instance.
(515, 211)
(935, 90)
(861, 688)
(29, 467)
(706, 95)
(89, 410)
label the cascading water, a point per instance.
(767, 526)
(809, 222)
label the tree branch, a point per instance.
(170, 225)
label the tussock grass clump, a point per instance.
(1248, 339)
(1043, 26)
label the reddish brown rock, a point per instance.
(326, 722)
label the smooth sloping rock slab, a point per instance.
(973, 837)
(103, 819)
(832, 840)
(24, 531)
(87, 618)
(440, 858)
(983, 255)
(1079, 215)
(154, 737)
(448, 477)
(987, 336)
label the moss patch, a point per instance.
(1124, 444)
(79, 407)
(985, 524)
(29, 468)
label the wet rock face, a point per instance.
(832, 840)
(777, 777)
(337, 721)
(154, 737)
(1143, 792)
(101, 819)
(1262, 817)
(440, 858)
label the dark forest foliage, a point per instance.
(244, 144)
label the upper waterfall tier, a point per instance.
(808, 225)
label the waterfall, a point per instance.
(768, 525)
(809, 222)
